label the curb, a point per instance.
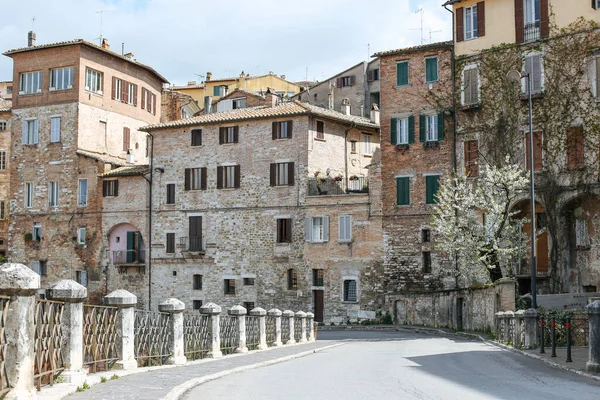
(179, 391)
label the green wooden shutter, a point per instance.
(431, 69)
(422, 125)
(411, 129)
(403, 191)
(394, 136)
(130, 247)
(441, 126)
(432, 184)
(217, 91)
(402, 73)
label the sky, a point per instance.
(182, 39)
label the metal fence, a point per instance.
(196, 337)
(124, 257)
(48, 360)
(152, 335)
(297, 329)
(332, 187)
(99, 337)
(4, 307)
(270, 330)
(229, 334)
(285, 329)
(252, 332)
(579, 330)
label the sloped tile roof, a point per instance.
(128, 170)
(414, 49)
(5, 105)
(105, 158)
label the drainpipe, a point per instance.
(150, 223)
(352, 126)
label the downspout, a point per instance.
(352, 126)
(150, 223)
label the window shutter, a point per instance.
(238, 175)
(544, 19)
(236, 134)
(342, 227)
(36, 131)
(221, 135)
(24, 135)
(480, 19)
(594, 4)
(440, 126)
(154, 104)
(203, 179)
(219, 177)
(460, 20)
(338, 82)
(116, 188)
(411, 129)
(288, 230)
(422, 122)
(114, 88)
(104, 188)
(125, 139)
(273, 175)
(275, 125)
(402, 73)
(403, 191)
(308, 229)
(536, 72)
(326, 229)
(370, 75)
(519, 28)
(291, 173)
(143, 105)
(135, 95)
(124, 89)
(187, 178)
(393, 129)
(289, 129)
(352, 80)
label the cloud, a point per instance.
(181, 38)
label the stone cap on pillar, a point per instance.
(289, 313)
(530, 313)
(508, 314)
(210, 309)
(500, 314)
(172, 306)
(258, 312)
(520, 314)
(68, 291)
(274, 312)
(310, 315)
(237, 311)
(15, 278)
(593, 308)
(120, 298)
(300, 314)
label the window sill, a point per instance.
(345, 241)
(401, 86)
(467, 107)
(283, 244)
(320, 140)
(29, 94)
(536, 95)
(227, 189)
(582, 247)
(403, 205)
(349, 302)
(317, 242)
(430, 144)
(368, 155)
(228, 143)
(197, 145)
(282, 138)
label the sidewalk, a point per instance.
(579, 355)
(157, 382)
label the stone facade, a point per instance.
(5, 138)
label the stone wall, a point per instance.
(5, 138)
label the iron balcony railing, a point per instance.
(336, 186)
(191, 243)
(121, 257)
(531, 31)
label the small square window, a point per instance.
(229, 286)
(292, 279)
(249, 305)
(425, 235)
(197, 282)
(350, 292)
(196, 137)
(196, 304)
(426, 262)
(248, 281)
(320, 130)
(284, 230)
(317, 277)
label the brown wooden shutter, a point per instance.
(338, 82)
(104, 188)
(188, 178)
(288, 230)
(481, 19)
(273, 174)
(519, 28)
(575, 147)
(544, 19)
(126, 141)
(135, 95)
(124, 91)
(537, 151)
(471, 158)
(274, 127)
(460, 28)
(236, 134)
(289, 129)
(116, 188)
(154, 104)
(143, 105)
(219, 177)
(221, 135)
(352, 80)
(370, 75)
(238, 175)
(114, 88)
(195, 229)
(291, 173)
(202, 178)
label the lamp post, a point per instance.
(517, 76)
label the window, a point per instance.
(470, 89)
(350, 293)
(402, 73)
(345, 228)
(2, 160)
(196, 304)
(126, 139)
(426, 262)
(61, 78)
(28, 194)
(2, 125)
(110, 188)
(228, 134)
(40, 267)
(170, 243)
(471, 158)
(317, 277)
(533, 66)
(249, 305)
(9, 90)
(195, 179)
(425, 235)
(431, 128)
(82, 193)
(81, 277)
(170, 193)
(219, 90)
(402, 130)
(282, 130)
(292, 279)
(36, 234)
(403, 190)
(195, 233)
(238, 103)
(320, 130)
(431, 69)
(373, 75)
(537, 151)
(228, 177)
(2, 210)
(131, 94)
(197, 282)
(282, 174)
(93, 81)
(150, 101)
(53, 194)
(368, 149)
(595, 6)
(581, 233)
(54, 129)
(575, 147)
(317, 229)
(432, 184)
(30, 82)
(117, 89)
(248, 281)
(81, 235)
(531, 10)
(229, 286)
(31, 128)
(196, 137)
(284, 230)
(346, 81)
(470, 22)
(353, 146)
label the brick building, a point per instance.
(268, 206)
(79, 108)
(5, 137)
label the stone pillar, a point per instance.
(277, 314)
(509, 317)
(593, 363)
(531, 316)
(289, 315)
(214, 329)
(126, 302)
(498, 324)
(73, 295)
(302, 316)
(519, 315)
(262, 326)
(240, 313)
(21, 284)
(311, 326)
(175, 309)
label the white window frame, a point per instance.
(282, 174)
(53, 189)
(55, 128)
(195, 179)
(81, 277)
(61, 78)
(36, 233)
(81, 231)
(2, 159)
(118, 88)
(431, 128)
(471, 18)
(82, 195)
(317, 233)
(28, 194)
(463, 85)
(525, 68)
(229, 176)
(402, 131)
(93, 81)
(30, 82)
(344, 228)
(238, 103)
(3, 125)
(31, 131)
(368, 147)
(131, 89)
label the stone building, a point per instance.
(268, 206)
(6, 90)
(416, 150)
(5, 137)
(79, 108)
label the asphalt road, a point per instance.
(403, 365)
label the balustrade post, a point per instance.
(261, 313)
(509, 316)
(531, 317)
(240, 313)
(277, 314)
(289, 314)
(175, 308)
(593, 311)
(214, 329)
(519, 315)
(125, 302)
(302, 316)
(21, 284)
(311, 326)
(73, 295)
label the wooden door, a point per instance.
(318, 302)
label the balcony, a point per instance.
(531, 31)
(333, 187)
(192, 244)
(129, 257)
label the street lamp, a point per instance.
(517, 76)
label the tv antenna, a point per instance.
(200, 76)
(430, 32)
(101, 12)
(33, 23)
(420, 10)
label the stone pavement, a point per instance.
(156, 383)
(579, 355)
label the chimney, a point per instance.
(271, 98)
(208, 76)
(345, 106)
(31, 39)
(129, 56)
(207, 103)
(374, 117)
(130, 158)
(283, 77)
(242, 75)
(105, 44)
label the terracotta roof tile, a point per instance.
(414, 49)
(128, 170)
(105, 158)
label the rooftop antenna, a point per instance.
(33, 23)
(430, 32)
(200, 76)
(368, 51)
(420, 10)
(101, 12)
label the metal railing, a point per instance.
(229, 334)
(151, 331)
(285, 329)
(48, 360)
(579, 330)
(531, 31)
(334, 187)
(4, 307)
(297, 329)
(252, 332)
(191, 243)
(99, 337)
(270, 330)
(121, 257)
(196, 337)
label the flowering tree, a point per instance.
(474, 223)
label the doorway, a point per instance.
(318, 304)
